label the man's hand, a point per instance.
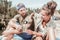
(6, 33)
(37, 34)
(19, 28)
(30, 32)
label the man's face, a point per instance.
(44, 16)
(22, 11)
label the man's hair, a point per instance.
(19, 6)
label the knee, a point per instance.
(38, 38)
(16, 37)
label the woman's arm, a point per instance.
(51, 34)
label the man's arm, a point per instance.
(34, 33)
(51, 33)
(11, 32)
(13, 24)
(29, 24)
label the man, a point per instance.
(28, 24)
(26, 28)
(24, 21)
(19, 24)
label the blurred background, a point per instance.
(8, 11)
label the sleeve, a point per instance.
(16, 16)
(13, 21)
(52, 24)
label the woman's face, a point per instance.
(44, 16)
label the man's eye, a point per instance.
(21, 10)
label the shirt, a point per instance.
(23, 22)
(45, 29)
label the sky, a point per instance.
(33, 3)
